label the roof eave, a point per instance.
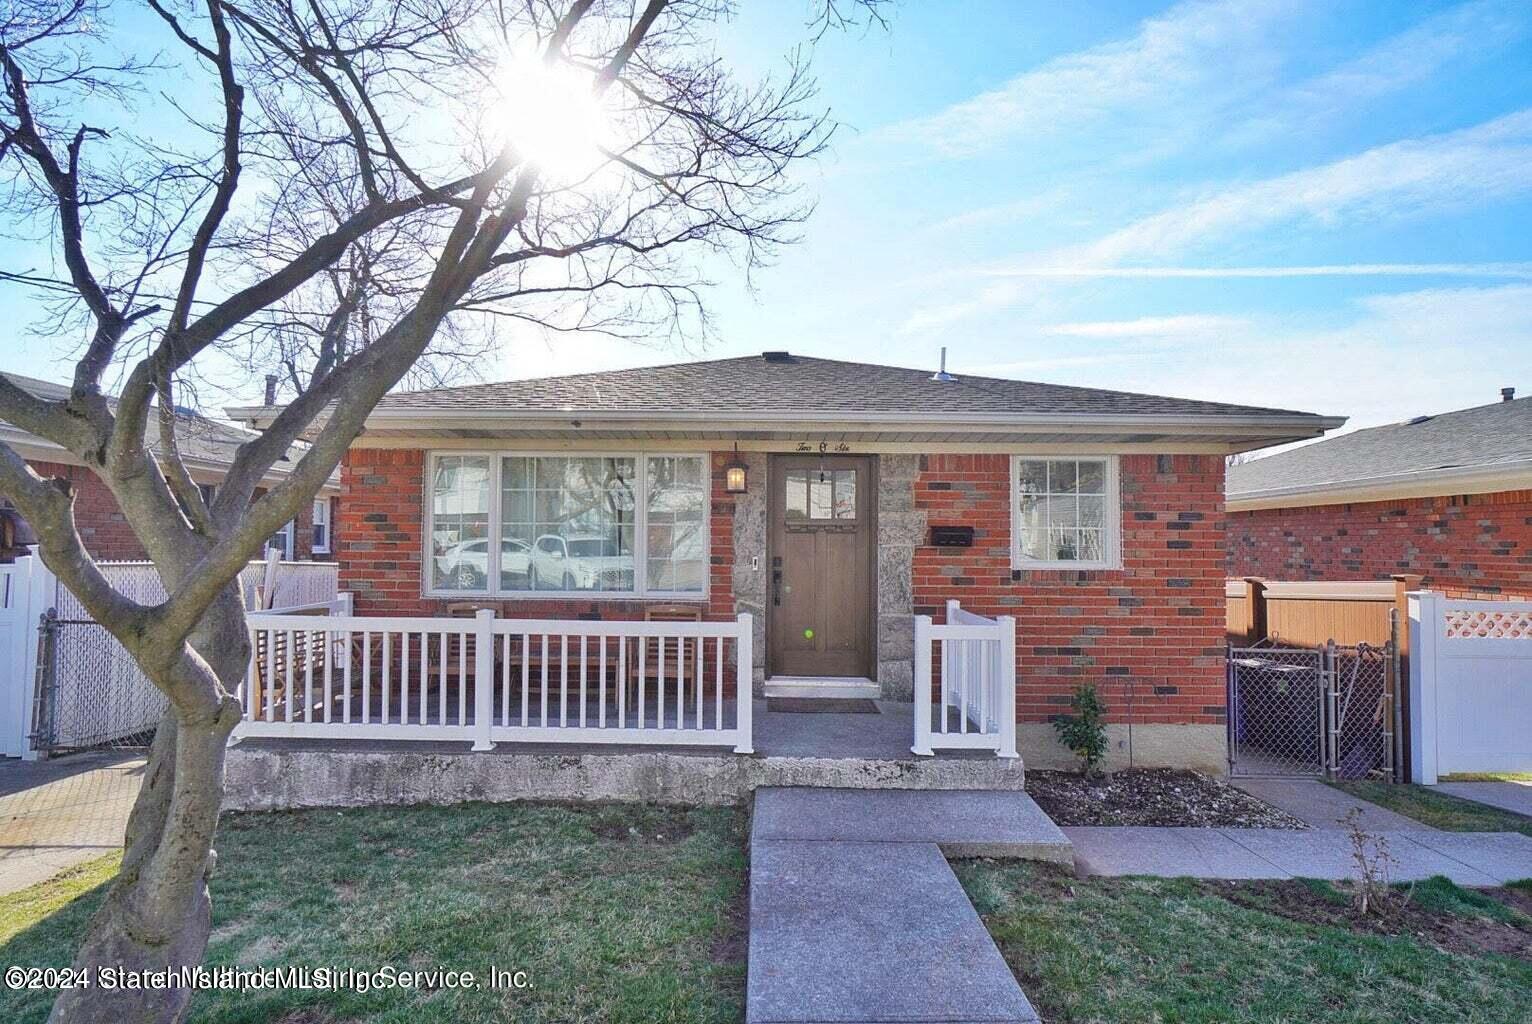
(1276, 424)
(1505, 476)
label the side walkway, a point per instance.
(1322, 806)
(1515, 797)
(56, 814)
(1468, 858)
(856, 918)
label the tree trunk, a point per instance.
(157, 915)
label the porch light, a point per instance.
(734, 474)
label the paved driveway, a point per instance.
(56, 814)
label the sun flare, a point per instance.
(552, 115)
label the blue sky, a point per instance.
(1314, 205)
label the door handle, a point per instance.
(776, 587)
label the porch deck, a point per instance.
(825, 749)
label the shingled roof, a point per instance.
(204, 443)
(1486, 448)
(779, 382)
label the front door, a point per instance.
(820, 619)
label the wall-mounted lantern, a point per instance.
(735, 474)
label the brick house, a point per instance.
(834, 502)
(207, 448)
(1448, 497)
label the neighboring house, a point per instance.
(207, 448)
(1446, 496)
(1093, 517)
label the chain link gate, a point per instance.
(90, 694)
(1327, 711)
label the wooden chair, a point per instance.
(651, 645)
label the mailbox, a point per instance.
(952, 536)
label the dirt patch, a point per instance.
(657, 826)
(731, 942)
(1455, 933)
(1151, 796)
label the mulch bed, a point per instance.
(1456, 933)
(1151, 796)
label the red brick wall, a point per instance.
(378, 545)
(1474, 544)
(105, 530)
(97, 515)
(1150, 635)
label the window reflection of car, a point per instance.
(579, 563)
(465, 565)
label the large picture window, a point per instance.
(517, 525)
(1066, 513)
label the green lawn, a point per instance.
(1437, 809)
(1126, 951)
(616, 913)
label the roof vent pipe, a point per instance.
(1506, 394)
(271, 390)
(942, 374)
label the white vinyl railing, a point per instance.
(490, 680)
(976, 660)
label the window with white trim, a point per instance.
(282, 541)
(519, 525)
(1065, 512)
(321, 526)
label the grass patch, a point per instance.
(1487, 777)
(1115, 951)
(1446, 897)
(56, 896)
(616, 913)
(1437, 809)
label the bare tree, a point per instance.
(355, 191)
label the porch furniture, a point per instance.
(675, 665)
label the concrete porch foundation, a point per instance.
(837, 751)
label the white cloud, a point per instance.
(1400, 355)
(1432, 174)
(1458, 169)
(1465, 32)
(1197, 51)
(1181, 326)
(1483, 270)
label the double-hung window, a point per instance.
(1065, 513)
(513, 525)
(321, 526)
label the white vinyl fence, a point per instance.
(976, 659)
(1470, 686)
(488, 680)
(69, 684)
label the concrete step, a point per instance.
(862, 932)
(963, 823)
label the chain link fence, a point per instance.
(89, 691)
(1327, 711)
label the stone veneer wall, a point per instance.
(901, 530)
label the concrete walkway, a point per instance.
(1322, 806)
(855, 916)
(56, 814)
(1468, 858)
(1515, 797)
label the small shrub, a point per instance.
(1084, 732)
(1372, 890)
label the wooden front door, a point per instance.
(821, 585)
